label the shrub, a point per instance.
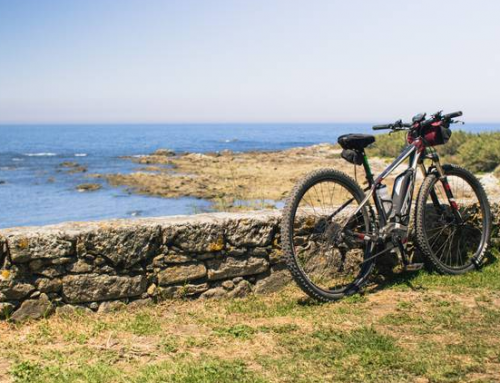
(478, 152)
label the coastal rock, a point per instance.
(88, 187)
(164, 152)
(235, 267)
(181, 273)
(33, 309)
(124, 247)
(92, 287)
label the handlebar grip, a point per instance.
(452, 115)
(381, 127)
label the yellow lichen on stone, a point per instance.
(23, 243)
(216, 246)
(276, 243)
(5, 274)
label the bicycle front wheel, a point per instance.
(326, 264)
(453, 243)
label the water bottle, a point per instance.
(383, 195)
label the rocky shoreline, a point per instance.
(244, 181)
(231, 181)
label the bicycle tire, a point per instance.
(429, 252)
(288, 217)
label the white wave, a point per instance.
(139, 155)
(15, 159)
(81, 155)
(40, 154)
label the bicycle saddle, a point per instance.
(356, 141)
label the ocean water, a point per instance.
(35, 190)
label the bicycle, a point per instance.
(332, 234)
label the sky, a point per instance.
(84, 61)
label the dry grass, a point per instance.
(417, 327)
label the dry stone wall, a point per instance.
(99, 265)
(94, 265)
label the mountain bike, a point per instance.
(333, 231)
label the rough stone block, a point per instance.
(122, 246)
(184, 291)
(33, 309)
(235, 267)
(92, 287)
(38, 246)
(181, 273)
(250, 232)
(200, 238)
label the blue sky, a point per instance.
(247, 61)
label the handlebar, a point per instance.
(381, 127)
(399, 125)
(452, 115)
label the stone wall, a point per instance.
(94, 265)
(99, 265)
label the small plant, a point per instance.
(25, 371)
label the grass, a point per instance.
(417, 327)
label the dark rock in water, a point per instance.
(135, 213)
(69, 164)
(74, 167)
(2, 182)
(164, 152)
(88, 187)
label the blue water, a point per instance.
(34, 190)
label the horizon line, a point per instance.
(7, 123)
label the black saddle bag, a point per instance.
(352, 156)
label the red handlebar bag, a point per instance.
(435, 134)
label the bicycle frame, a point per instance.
(413, 152)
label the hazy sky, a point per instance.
(247, 61)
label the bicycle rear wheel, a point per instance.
(449, 244)
(326, 265)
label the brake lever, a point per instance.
(458, 122)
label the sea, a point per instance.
(36, 190)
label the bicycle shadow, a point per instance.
(399, 279)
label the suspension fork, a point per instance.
(447, 190)
(434, 198)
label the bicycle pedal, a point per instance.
(414, 267)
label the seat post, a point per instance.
(368, 171)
